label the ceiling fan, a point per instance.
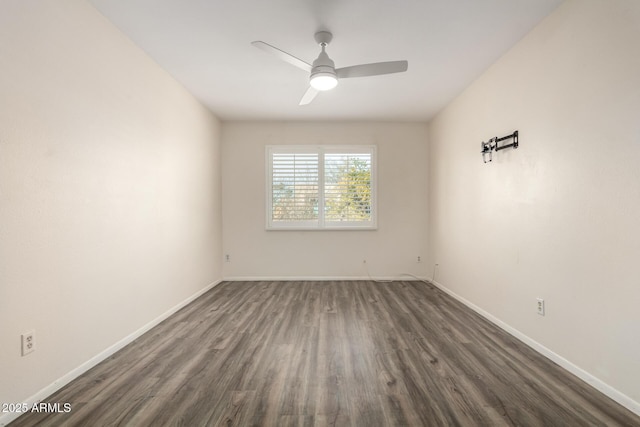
(323, 73)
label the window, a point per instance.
(321, 187)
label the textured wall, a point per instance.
(390, 251)
(109, 190)
(558, 217)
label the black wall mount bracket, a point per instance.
(487, 148)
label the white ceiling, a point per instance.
(205, 45)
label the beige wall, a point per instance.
(390, 251)
(558, 218)
(109, 191)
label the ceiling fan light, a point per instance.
(323, 81)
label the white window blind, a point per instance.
(294, 187)
(323, 187)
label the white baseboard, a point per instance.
(320, 278)
(75, 373)
(289, 278)
(593, 381)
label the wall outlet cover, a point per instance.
(28, 340)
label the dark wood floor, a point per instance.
(329, 353)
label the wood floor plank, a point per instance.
(329, 353)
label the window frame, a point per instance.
(320, 224)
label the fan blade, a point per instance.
(308, 96)
(283, 55)
(374, 69)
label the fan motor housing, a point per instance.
(323, 63)
(323, 73)
(323, 70)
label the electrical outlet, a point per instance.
(419, 259)
(227, 258)
(540, 306)
(28, 342)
